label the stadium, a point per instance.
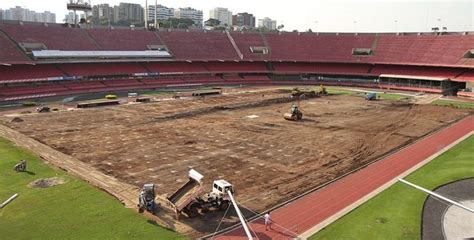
(217, 102)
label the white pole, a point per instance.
(9, 200)
(156, 27)
(146, 14)
(437, 195)
(244, 224)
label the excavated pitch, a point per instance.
(268, 159)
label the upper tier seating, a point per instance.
(9, 53)
(245, 41)
(447, 49)
(319, 48)
(54, 36)
(199, 45)
(423, 49)
(124, 39)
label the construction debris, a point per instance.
(9, 200)
(21, 166)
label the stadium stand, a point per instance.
(101, 69)
(434, 62)
(9, 52)
(326, 68)
(51, 35)
(422, 49)
(124, 39)
(424, 71)
(245, 41)
(310, 47)
(28, 73)
(199, 45)
(467, 76)
(175, 67)
(228, 67)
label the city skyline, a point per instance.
(322, 15)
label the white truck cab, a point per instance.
(221, 187)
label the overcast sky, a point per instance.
(319, 15)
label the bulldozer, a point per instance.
(322, 90)
(302, 93)
(295, 113)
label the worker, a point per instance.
(268, 221)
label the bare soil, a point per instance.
(47, 182)
(240, 137)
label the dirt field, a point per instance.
(242, 138)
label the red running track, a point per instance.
(312, 209)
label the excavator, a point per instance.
(295, 113)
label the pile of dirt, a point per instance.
(17, 120)
(47, 182)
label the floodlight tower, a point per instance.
(79, 5)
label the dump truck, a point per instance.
(294, 115)
(190, 198)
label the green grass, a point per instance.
(386, 96)
(74, 210)
(396, 212)
(455, 104)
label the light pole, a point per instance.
(396, 26)
(315, 26)
(355, 26)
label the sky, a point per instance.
(318, 15)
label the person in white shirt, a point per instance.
(268, 221)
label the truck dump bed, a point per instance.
(185, 194)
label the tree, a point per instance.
(309, 30)
(182, 23)
(280, 27)
(211, 22)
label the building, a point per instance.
(1, 14)
(191, 13)
(162, 13)
(24, 14)
(49, 17)
(102, 14)
(69, 18)
(267, 23)
(128, 13)
(243, 20)
(221, 14)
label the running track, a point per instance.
(312, 209)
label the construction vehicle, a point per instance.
(191, 199)
(370, 96)
(322, 90)
(146, 200)
(43, 109)
(295, 113)
(302, 93)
